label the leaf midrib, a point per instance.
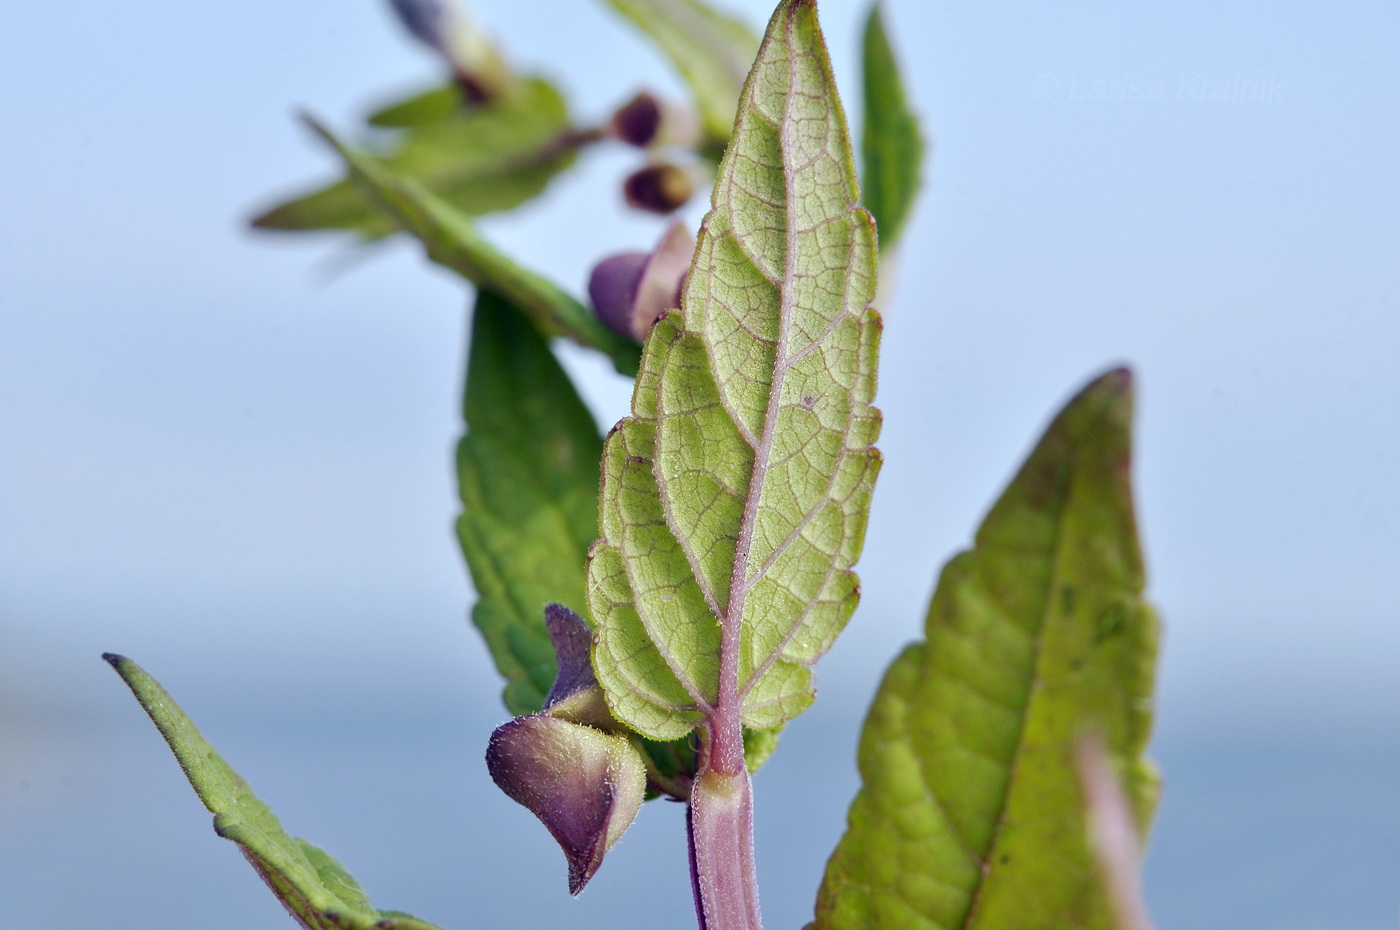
(1036, 680)
(740, 582)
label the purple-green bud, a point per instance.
(629, 291)
(445, 27)
(659, 188)
(584, 785)
(576, 695)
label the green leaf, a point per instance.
(891, 148)
(313, 886)
(734, 498)
(479, 159)
(971, 814)
(452, 240)
(528, 474)
(711, 50)
(428, 106)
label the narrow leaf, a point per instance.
(891, 147)
(478, 159)
(734, 498)
(527, 470)
(711, 50)
(313, 886)
(452, 240)
(971, 813)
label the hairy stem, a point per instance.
(720, 828)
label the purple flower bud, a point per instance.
(636, 122)
(631, 290)
(647, 121)
(576, 695)
(660, 188)
(426, 20)
(613, 286)
(584, 785)
(445, 27)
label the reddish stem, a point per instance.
(720, 826)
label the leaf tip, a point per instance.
(115, 660)
(1118, 380)
(1111, 394)
(311, 122)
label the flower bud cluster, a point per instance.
(669, 132)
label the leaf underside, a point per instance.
(971, 813)
(527, 470)
(711, 50)
(891, 148)
(479, 159)
(313, 886)
(452, 240)
(735, 497)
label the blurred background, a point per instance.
(228, 455)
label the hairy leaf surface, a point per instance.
(735, 497)
(891, 147)
(711, 50)
(452, 240)
(313, 886)
(528, 474)
(971, 814)
(478, 159)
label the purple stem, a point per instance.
(720, 826)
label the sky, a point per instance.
(228, 455)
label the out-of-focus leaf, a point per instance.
(429, 106)
(734, 498)
(452, 240)
(527, 470)
(712, 51)
(480, 159)
(313, 886)
(1114, 830)
(891, 148)
(971, 813)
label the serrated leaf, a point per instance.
(452, 240)
(971, 815)
(711, 50)
(479, 159)
(891, 147)
(527, 470)
(313, 886)
(734, 498)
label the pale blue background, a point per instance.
(228, 457)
